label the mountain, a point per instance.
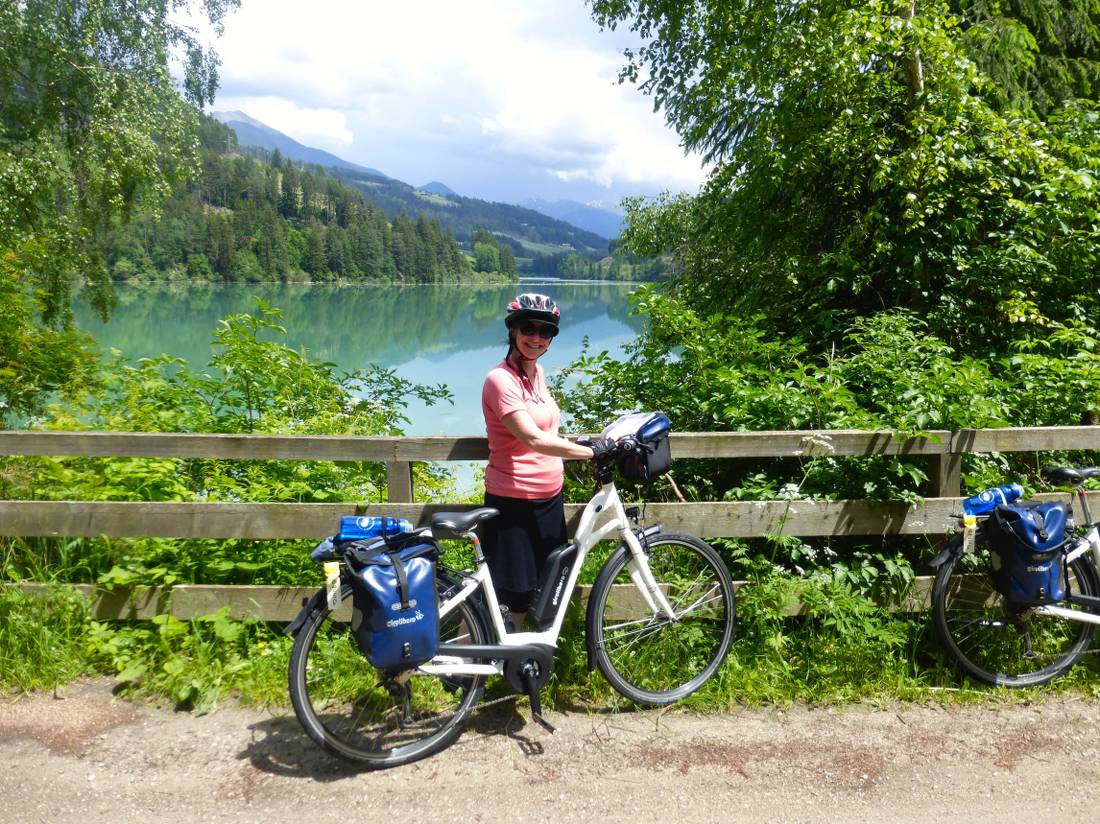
(528, 232)
(251, 132)
(437, 188)
(602, 222)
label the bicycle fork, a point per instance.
(642, 576)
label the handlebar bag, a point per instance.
(395, 614)
(1027, 552)
(651, 456)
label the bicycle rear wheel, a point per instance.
(646, 657)
(997, 643)
(370, 718)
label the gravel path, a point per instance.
(84, 756)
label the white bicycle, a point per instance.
(660, 621)
(1006, 644)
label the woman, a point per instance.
(525, 474)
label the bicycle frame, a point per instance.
(1091, 539)
(605, 503)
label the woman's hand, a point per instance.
(603, 449)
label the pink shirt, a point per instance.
(515, 470)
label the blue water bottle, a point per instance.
(364, 527)
(985, 501)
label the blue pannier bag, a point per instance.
(1027, 552)
(395, 615)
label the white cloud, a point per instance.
(432, 89)
(324, 128)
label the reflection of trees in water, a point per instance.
(348, 325)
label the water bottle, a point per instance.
(985, 501)
(362, 527)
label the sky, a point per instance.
(499, 99)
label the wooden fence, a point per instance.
(741, 519)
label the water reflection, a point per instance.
(429, 334)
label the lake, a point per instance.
(428, 334)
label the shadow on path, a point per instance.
(279, 745)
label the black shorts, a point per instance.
(517, 542)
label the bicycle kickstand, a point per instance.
(529, 681)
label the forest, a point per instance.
(246, 221)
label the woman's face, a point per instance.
(532, 339)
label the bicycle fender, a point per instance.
(952, 548)
(318, 601)
(591, 617)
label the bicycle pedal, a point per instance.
(542, 722)
(533, 696)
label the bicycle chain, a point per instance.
(483, 704)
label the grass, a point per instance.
(434, 199)
(845, 650)
(42, 641)
(537, 247)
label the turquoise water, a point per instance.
(428, 334)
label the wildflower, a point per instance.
(790, 492)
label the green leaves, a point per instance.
(254, 383)
(194, 662)
(92, 129)
(863, 162)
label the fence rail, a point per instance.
(738, 519)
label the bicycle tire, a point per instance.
(356, 713)
(1000, 645)
(643, 655)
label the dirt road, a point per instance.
(86, 757)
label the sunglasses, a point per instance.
(543, 330)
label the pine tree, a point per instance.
(314, 262)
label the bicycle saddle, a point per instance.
(458, 524)
(1069, 474)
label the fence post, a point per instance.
(399, 485)
(946, 475)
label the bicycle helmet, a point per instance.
(533, 306)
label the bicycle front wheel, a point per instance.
(371, 718)
(997, 643)
(649, 658)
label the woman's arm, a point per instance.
(523, 427)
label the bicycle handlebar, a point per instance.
(627, 443)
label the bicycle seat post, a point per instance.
(478, 555)
(1083, 499)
